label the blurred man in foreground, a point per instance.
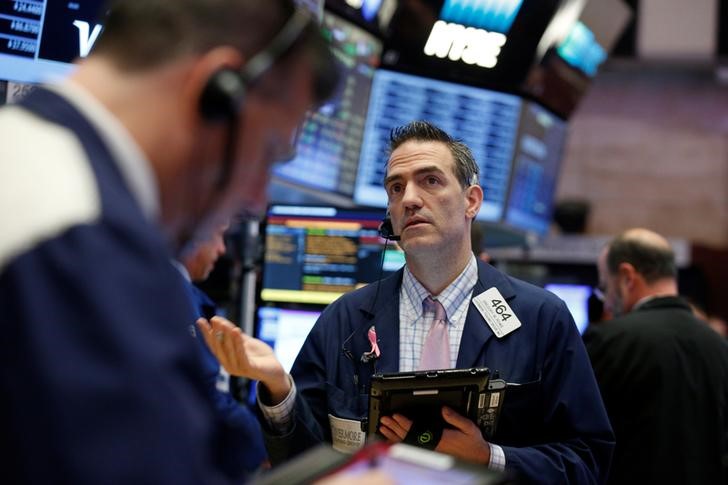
(169, 127)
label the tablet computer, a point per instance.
(420, 395)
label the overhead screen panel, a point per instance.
(575, 45)
(536, 169)
(492, 15)
(38, 39)
(330, 141)
(487, 121)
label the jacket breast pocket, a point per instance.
(346, 405)
(522, 415)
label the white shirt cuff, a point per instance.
(281, 416)
(497, 458)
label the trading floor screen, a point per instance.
(486, 121)
(315, 254)
(536, 169)
(328, 147)
(39, 38)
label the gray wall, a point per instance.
(648, 146)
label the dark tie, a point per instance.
(436, 348)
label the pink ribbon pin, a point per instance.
(372, 336)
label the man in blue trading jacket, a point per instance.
(553, 427)
(167, 128)
(245, 447)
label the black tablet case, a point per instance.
(420, 395)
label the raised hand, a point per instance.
(245, 356)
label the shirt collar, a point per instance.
(451, 297)
(414, 293)
(642, 301)
(131, 161)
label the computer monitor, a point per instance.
(537, 160)
(576, 298)
(577, 41)
(330, 139)
(581, 50)
(39, 38)
(484, 120)
(285, 330)
(314, 254)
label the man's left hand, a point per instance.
(465, 441)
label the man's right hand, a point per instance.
(245, 356)
(464, 440)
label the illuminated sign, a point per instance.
(581, 50)
(490, 15)
(467, 44)
(86, 36)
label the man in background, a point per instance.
(244, 447)
(663, 374)
(167, 128)
(438, 312)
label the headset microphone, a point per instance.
(386, 230)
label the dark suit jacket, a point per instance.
(664, 379)
(240, 449)
(553, 427)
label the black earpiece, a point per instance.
(223, 96)
(386, 230)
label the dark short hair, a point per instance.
(653, 262)
(466, 170)
(144, 34)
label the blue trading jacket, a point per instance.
(553, 427)
(245, 445)
(99, 381)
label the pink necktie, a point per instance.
(436, 348)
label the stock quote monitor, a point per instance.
(328, 147)
(484, 120)
(285, 329)
(315, 254)
(576, 297)
(539, 150)
(39, 38)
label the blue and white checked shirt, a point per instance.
(414, 324)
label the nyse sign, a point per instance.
(467, 44)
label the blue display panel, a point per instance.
(330, 140)
(285, 330)
(492, 15)
(576, 298)
(38, 39)
(313, 255)
(486, 121)
(536, 169)
(581, 50)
